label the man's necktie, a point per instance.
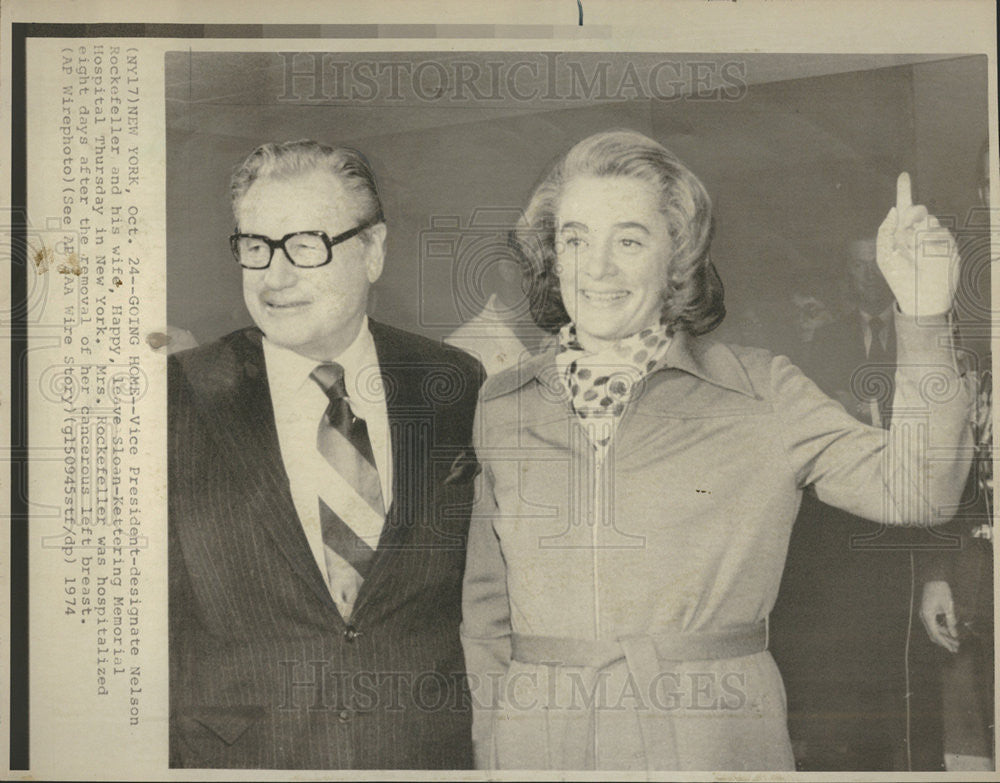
(885, 367)
(350, 533)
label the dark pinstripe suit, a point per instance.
(265, 673)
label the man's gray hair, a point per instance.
(291, 158)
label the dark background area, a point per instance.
(797, 168)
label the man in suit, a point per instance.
(855, 357)
(955, 585)
(956, 580)
(320, 491)
(841, 620)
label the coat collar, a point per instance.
(707, 359)
(229, 380)
(230, 386)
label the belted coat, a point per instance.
(615, 609)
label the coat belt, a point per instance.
(646, 657)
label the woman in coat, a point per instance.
(640, 480)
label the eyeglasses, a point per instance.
(306, 249)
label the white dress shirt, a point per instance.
(299, 404)
(885, 317)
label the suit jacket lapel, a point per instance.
(397, 367)
(234, 395)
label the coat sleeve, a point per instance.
(911, 474)
(485, 612)
(182, 606)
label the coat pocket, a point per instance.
(227, 724)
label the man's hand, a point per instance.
(935, 603)
(917, 256)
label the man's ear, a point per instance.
(375, 251)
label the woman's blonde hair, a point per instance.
(692, 294)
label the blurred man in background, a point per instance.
(956, 580)
(840, 623)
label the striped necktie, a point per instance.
(351, 520)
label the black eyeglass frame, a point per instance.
(274, 244)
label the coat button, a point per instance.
(351, 633)
(344, 716)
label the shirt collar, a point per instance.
(288, 371)
(885, 316)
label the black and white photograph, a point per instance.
(485, 400)
(615, 569)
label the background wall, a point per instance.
(797, 168)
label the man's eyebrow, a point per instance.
(573, 226)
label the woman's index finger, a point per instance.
(904, 194)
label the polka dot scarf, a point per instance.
(601, 384)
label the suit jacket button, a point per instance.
(351, 633)
(344, 716)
